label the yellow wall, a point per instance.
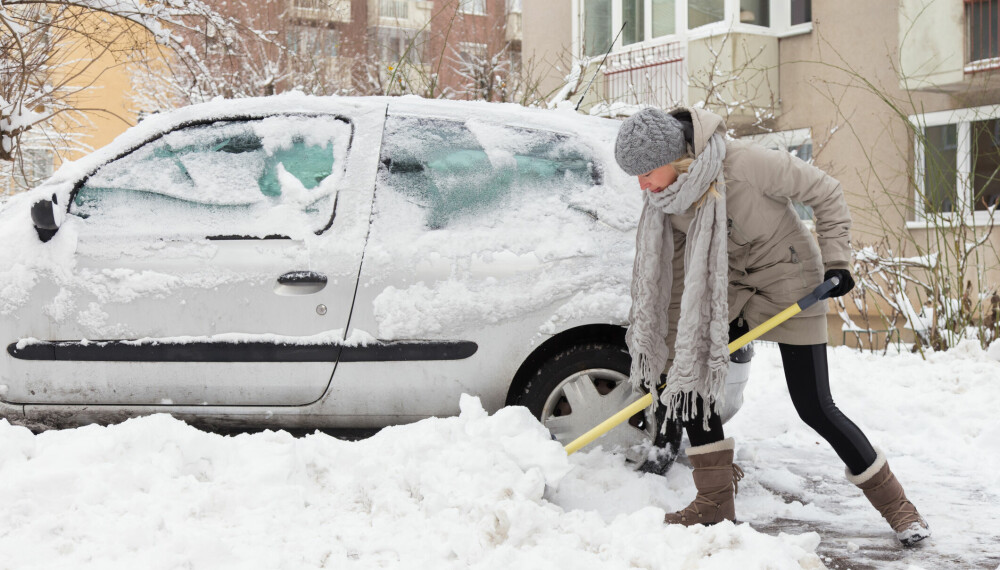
(106, 107)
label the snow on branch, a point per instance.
(42, 72)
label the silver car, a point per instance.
(329, 263)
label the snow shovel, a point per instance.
(818, 294)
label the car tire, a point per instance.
(581, 386)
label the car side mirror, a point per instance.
(46, 216)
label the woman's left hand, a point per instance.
(846, 281)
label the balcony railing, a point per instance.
(647, 76)
(982, 19)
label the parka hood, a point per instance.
(705, 125)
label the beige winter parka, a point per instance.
(774, 260)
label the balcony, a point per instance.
(733, 74)
(646, 76)
(949, 47)
(321, 10)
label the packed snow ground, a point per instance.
(480, 491)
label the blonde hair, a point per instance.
(682, 165)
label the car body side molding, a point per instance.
(255, 351)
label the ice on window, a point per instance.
(496, 222)
(265, 177)
(451, 169)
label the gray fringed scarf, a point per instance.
(701, 362)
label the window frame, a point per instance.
(470, 7)
(403, 38)
(780, 16)
(304, 38)
(988, 63)
(210, 121)
(962, 119)
(394, 9)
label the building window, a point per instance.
(982, 18)
(756, 12)
(664, 18)
(472, 6)
(940, 180)
(985, 167)
(634, 20)
(704, 12)
(958, 162)
(646, 20)
(313, 40)
(596, 27)
(398, 9)
(801, 12)
(513, 6)
(394, 44)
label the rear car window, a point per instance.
(454, 169)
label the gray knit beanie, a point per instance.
(648, 140)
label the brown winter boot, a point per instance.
(886, 494)
(715, 477)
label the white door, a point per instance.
(467, 258)
(215, 265)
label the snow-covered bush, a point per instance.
(918, 294)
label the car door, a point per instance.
(476, 237)
(215, 265)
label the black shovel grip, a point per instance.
(819, 293)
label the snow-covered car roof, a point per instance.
(62, 181)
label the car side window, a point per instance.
(250, 178)
(453, 169)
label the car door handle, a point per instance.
(302, 278)
(300, 283)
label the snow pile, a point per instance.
(994, 350)
(934, 419)
(443, 493)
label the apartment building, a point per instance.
(899, 100)
(452, 48)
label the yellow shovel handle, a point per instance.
(637, 406)
(610, 423)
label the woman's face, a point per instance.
(658, 179)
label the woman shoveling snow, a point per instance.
(720, 247)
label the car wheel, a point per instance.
(580, 387)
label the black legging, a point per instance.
(808, 381)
